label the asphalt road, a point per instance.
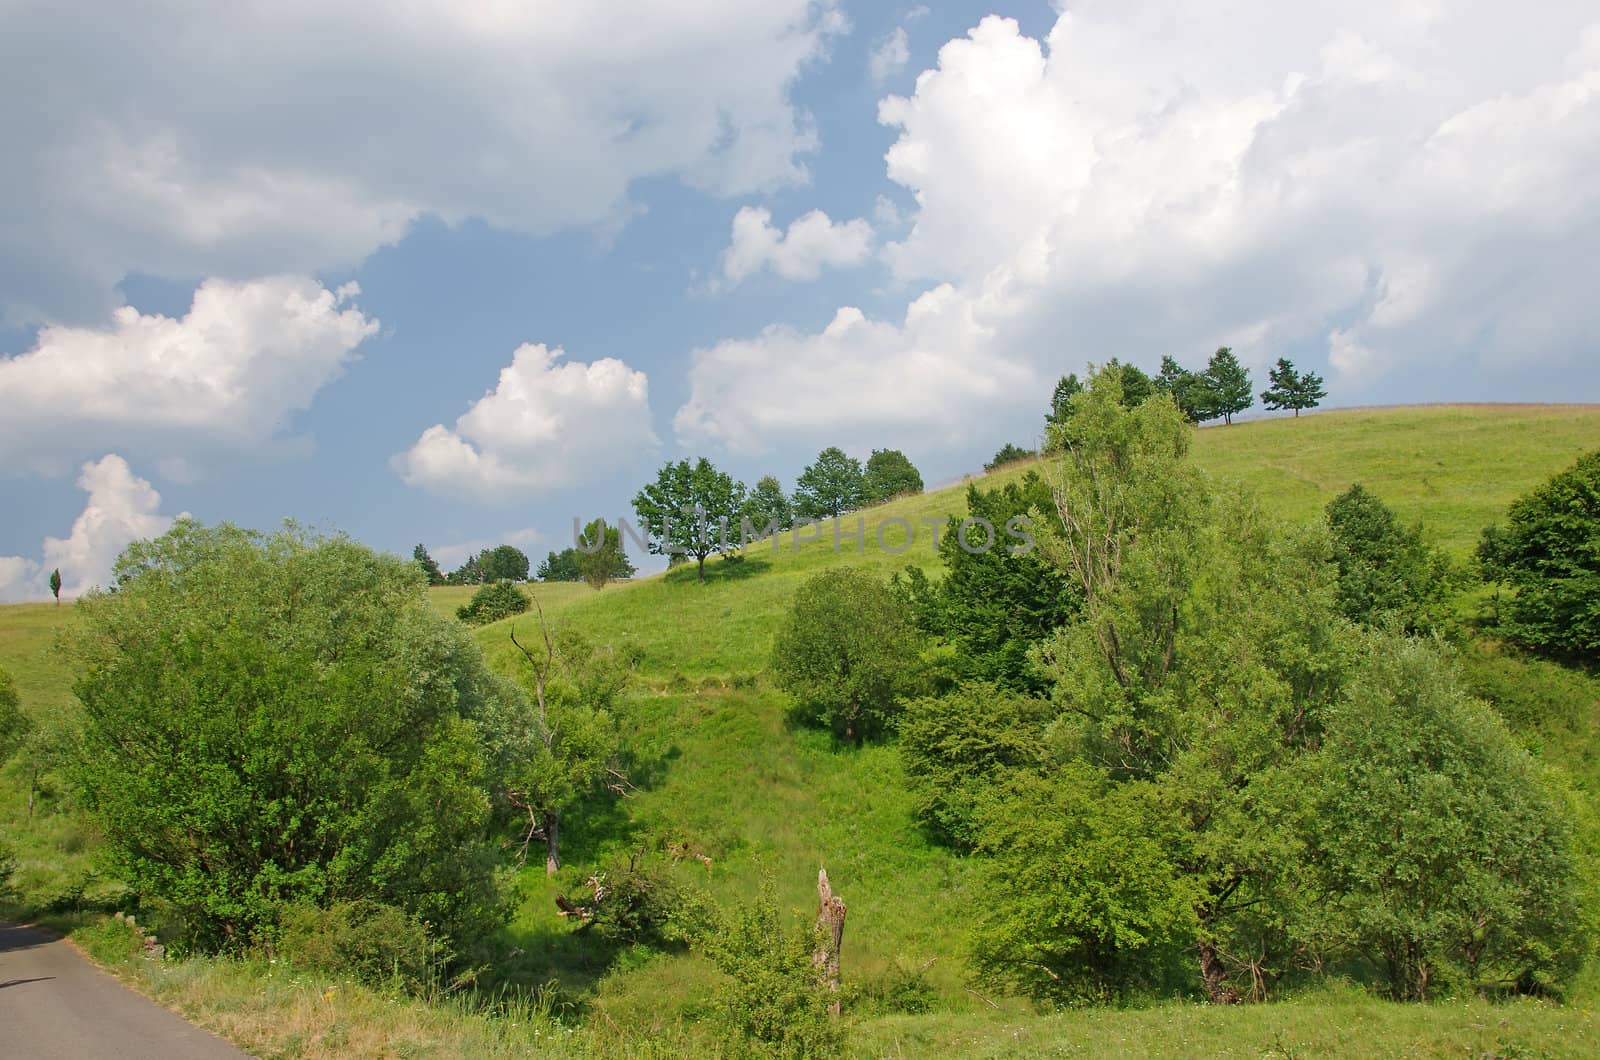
(55, 1004)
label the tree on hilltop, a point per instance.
(1227, 383)
(692, 511)
(835, 484)
(1290, 389)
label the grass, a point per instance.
(720, 767)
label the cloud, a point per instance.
(812, 243)
(1406, 196)
(890, 56)
(546, 425)
(122, 508)
(231, 372)
(243, 140)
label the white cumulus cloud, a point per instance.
(121, 508)
(230, 372)
(547, 424)
(812, 243)
(251, 139)
(1403, 193)
(890, 56)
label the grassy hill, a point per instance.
(721, 767)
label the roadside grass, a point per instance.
(720, 767)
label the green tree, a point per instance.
(1008, 454)
(14, 724)
(1061, 399)
(566, 746)
(1226, 385)
(601, 556)
(889, 474)
(504, 563)
(995, 604)
(835, 484)
(691, 511)
(1289, 389)
(1387, 572)
(1136, 385)
(1449, 861)
(846, 653)
(494, 601)
(55, 585)
(285, 719)
(425, 562)
(469, 573)
(957, 748)
(560, 567)
(767, 510)
(1185, 387)
(1549, 553)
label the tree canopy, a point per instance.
(691, 511)
(1226, 386)
(1291, 389)
(889, 474)
(430, 569)
(601, 556)
(831, 486)
(767, 509)
(281, 718)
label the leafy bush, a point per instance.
(957, 747)
(640, 901)
(14, 725)
(773, 1001)
(1009, 453)
(8, 868)
(846, 652)
(901, 988)
(1449, 860)
(1550, 554)
(1386, 571)
(493, 602)
(286, 718)
(889, 474)
(375, 943)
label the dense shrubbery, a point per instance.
(285, 719)
(375, 943)
(493, 602)
(1387, 573)
(847, 653)
(1550, 555)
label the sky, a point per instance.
(459, 273)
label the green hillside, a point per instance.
(720, 767)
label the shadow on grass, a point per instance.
(726, 569)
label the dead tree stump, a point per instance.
(830, 936)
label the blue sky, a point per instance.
(315, 261)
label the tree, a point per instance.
(55, 585)
(691, 511)
(601, 556)
(1448, 860)
(1061, 399)
(1549, 553)
(469, 573)
(504, 563)
(1008, 454)
(14, 724)
(430, 569)
(567, 745)
(1186, 388)
(830, 487)
(767, 510)
(846, 653)
(1289, 389)
(560, 567)
(996, 604)
(1387, 572)
(286, 719)
(889, 474)
(494, 601)
(1227, 386)
(1136, 385)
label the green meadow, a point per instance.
(717, 766)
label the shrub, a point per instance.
(1386, 571)
(1009, 453)
(846, 653)
(370, 941)
(493, 602)
(286, 719)
(1449, 860)
(1550, 554)
(14, 725)
(773, 1000)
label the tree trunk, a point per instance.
(33, 789)
(552, 843)
(830, 936)
(1215, 975)
(702, 570)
